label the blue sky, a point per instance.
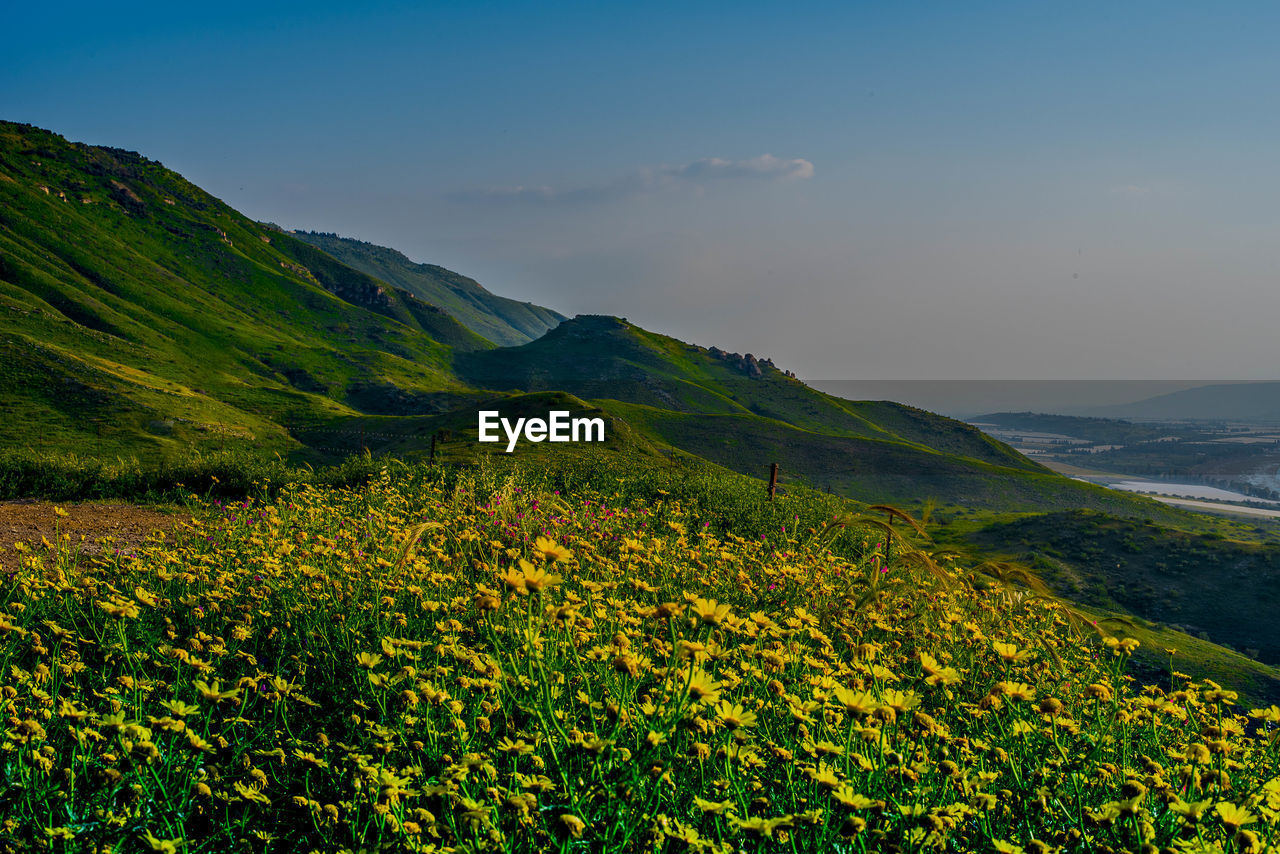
(860, 191)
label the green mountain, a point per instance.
(505, 322)
(744, 413)
(141, 316)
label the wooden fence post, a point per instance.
(773, 479)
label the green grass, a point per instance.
(229, 474)
(606, 655)
(1222, 580)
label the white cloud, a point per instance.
(764, 166)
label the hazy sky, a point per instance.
(860, 191)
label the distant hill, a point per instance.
(503, 321)
(140, 316)
(1252, 401)
(742, 412)
(1100, 430)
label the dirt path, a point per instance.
(126, 525)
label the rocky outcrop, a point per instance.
(748, 364)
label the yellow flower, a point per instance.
(1190, 812)
(763, 827)
(703, 688)
(516, 748)
(1017, 690)
(212, 692)
(710, 611)
(179, 708)
(855, 702)
(1008, 652)
(252, 793)
(164, 846)
(120, 608)
(900, 701)
(667, 610)
(713, 807)
(514, 580)
(1270, 714)
(1234, 817)
(733, 716)
(309, 758)
(69, 710)
(573, 824)
(537, 578)
(1126, 646)
(1219, 695)
(1098, 690)
(824, 775)
(368, 660)
(1199, 754)
(167, 723)
(113, 721)
(935, 673)
(846, 795)
(145, 597)
(550, 550)
(197, 742)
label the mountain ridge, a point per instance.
(1242, 401)
(504, 321)
(180, 323)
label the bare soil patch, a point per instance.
(93, 527)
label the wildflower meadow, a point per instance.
(497, 660)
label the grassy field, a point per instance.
(599, 656)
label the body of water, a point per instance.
(1184, 490)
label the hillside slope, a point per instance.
(140, 316)
(606, 357)
(1227, 588)
(1250, 401)
(140, 311)
(505, 322)
(744, 413)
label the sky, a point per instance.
(906, 191)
